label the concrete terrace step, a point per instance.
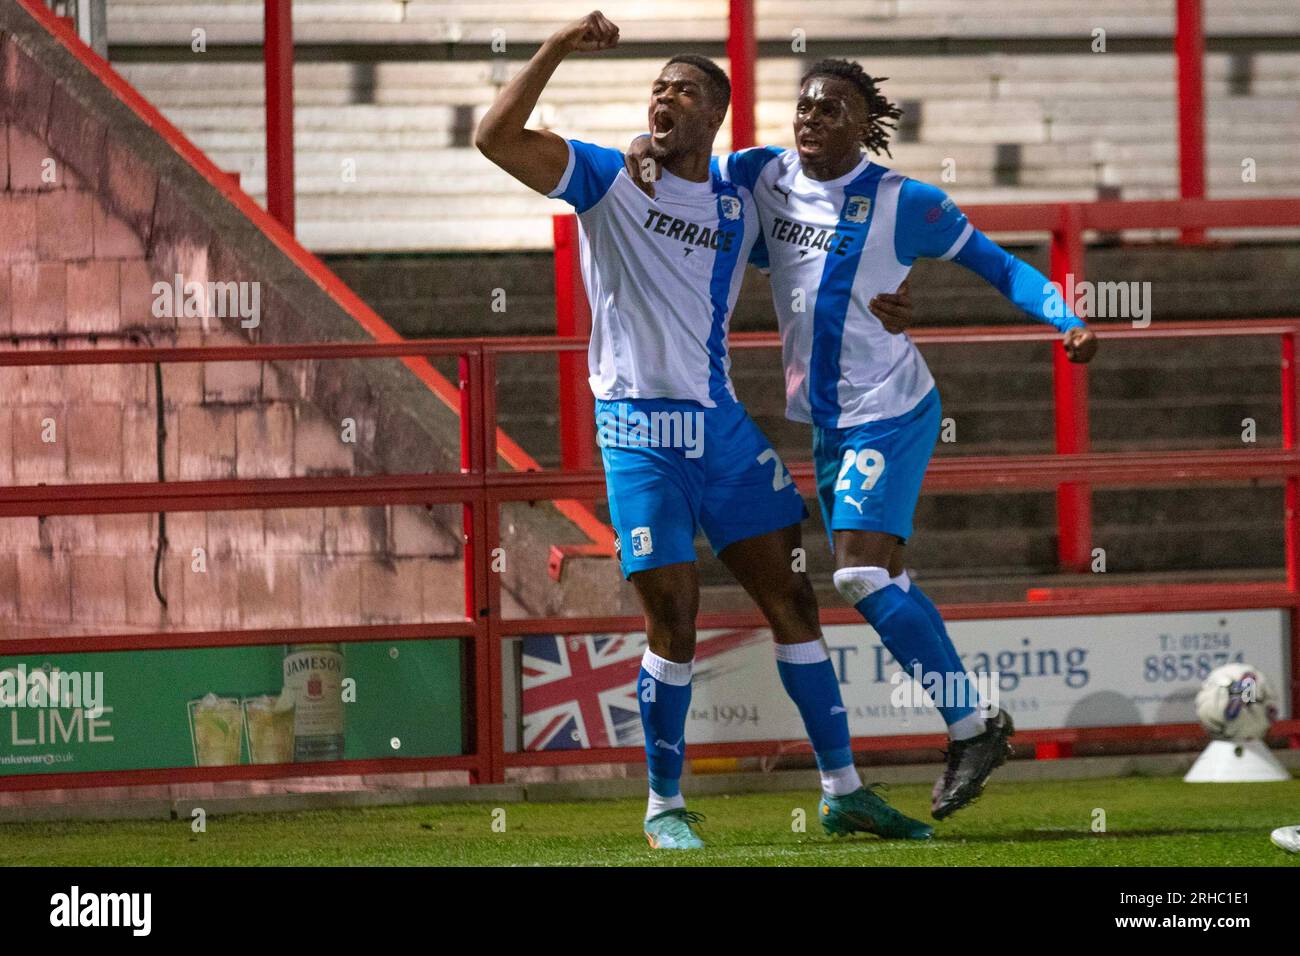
(1133, 77)
(464, 174)
(409, 187)
(982, 537)
(343, 174)
(1208, 282)
(140, 21)
(1005, 584)
(344, 178)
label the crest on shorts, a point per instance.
(642, 543)
(857, 208)
(730, 207)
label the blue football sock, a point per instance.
(909, 635)
(663, 690)
(809, 678)
(936, 621)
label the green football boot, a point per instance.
(865, 811)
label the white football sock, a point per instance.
(658, 804)
(841, 782)
(669, 672)
(972, 725)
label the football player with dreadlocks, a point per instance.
(839, 233)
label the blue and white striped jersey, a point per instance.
(833, 245)
(662, 276)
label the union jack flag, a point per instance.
(580, 691)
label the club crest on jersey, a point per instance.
(730, 207)
(857, 209)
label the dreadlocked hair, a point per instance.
(883, 113)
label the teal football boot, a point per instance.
(672, 830)
(864, 811)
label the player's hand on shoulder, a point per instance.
(593, 32)
(642, 168)
(894, 309)
(1080, 344)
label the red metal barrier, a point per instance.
(1189, 53)
(742, 56)
(572, 318)
(1073, 501)
(483, 490)
(1066, 224)
(277, 53)
(1290, 427)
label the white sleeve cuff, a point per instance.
(563, 184)
(961, 241)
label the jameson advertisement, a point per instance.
(212, 707)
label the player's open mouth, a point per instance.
(810, 142)
(663, 124)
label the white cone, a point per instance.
(1240, 761)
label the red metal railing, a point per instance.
(1067, 225)
(277, 57)
(1189, 57)
(742, 61)
(482, 489)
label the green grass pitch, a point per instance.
(1148, 822)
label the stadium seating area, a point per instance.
(395, 20)
(384, 159)
(1009, 96)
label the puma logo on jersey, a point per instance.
(849, 500)
(785, 193)
(675, 748)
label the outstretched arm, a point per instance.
(537, 158)
(931, 226)
(1027, 289)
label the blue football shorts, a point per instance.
(673, 467)
(869, 475)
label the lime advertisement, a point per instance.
(224, 706)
